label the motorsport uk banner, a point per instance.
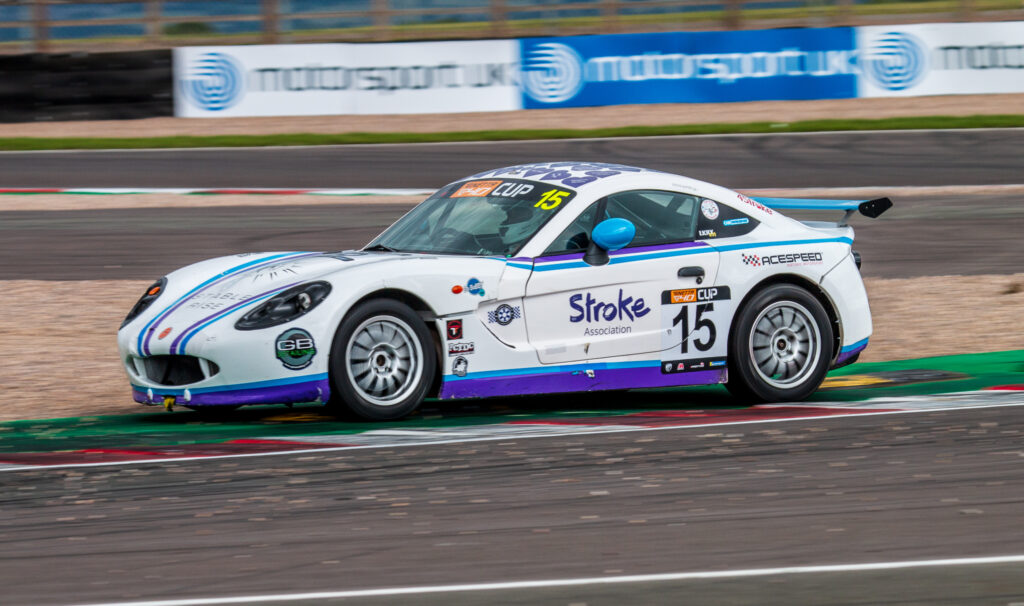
(579, 71)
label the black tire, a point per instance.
(781, 346)
(382, 362)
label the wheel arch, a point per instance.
(816, 291)
(423, 310)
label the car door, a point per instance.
(576, 311)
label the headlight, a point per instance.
(152, 294)
(285, 306)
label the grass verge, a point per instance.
(925, 122)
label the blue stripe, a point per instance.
(534, 370)
(729, 247)
(687, 251)
(808, 203)
(195, 331)
(857, 345)
(237, 268)
(254, 385)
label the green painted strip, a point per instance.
(161, 429)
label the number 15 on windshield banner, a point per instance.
(696, 328)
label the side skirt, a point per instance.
(575, 378)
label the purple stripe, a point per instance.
(557, 382)
(163, 315)
(227, 310)
(624, 251)
(846, 355)
(278, 394)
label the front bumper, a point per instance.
(312, 388)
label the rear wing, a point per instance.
(868, 208)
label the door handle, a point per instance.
(692, 272)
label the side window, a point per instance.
(576, 237)
(660, 217)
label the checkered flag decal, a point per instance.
(751, 260)
(504, 314)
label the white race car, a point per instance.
(539, 278)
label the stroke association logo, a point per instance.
(552, 73)
(213, 81)
(894, 61)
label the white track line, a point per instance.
(579, 582)
(577, 433)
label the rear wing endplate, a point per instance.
(869, 208)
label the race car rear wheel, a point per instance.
(781, 346)
(382, 361)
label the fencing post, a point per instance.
(733, 14)
(381, 19)
(40, 26)
(153, 32)
(499, 27)
(270, 21)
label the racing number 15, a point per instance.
(551, 199)
(683, 317)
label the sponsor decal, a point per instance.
(807, 258)
(570, 174)
(511, 189)
(213, 82)
(503, 314)
(460, 366)
(707, 233)
(295, 348)
(757, 205)
(607, 330)
(982, 56)
(591, 70)
(475, 287)
(894, 61)
(271, 272)
(476, 189)
(688, 295)
(693, 295)
(552, 73)
(731, 222)
(453, 328)
(465, 347)
(589, 309)
(215, 300)
(384, 78)
(165, 332)
(692, 365)
(709, 208)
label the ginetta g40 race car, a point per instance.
(539, 278)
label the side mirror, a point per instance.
(610, 234)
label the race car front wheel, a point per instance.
(382, 361)
(781, 346)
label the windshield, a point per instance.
(482, 217)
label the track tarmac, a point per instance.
(921, 235)
(845, 159)
(862, 489)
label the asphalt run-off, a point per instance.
(887, 388)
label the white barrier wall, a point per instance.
(941, 59)
(579, 71)
(309, 79)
